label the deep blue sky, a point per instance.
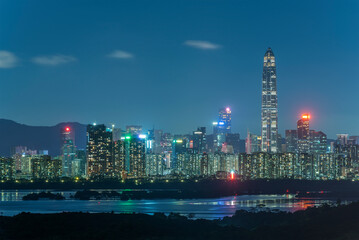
(58, 62)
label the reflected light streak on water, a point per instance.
(12, 204)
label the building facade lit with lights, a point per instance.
(269, 123)
(99, 151)
(68, 152)
(199, 140)
(222, 127)
(44, 167)
(130, 156)
(155, 164)
(137, 156)
(155, 154)
(303, 134)
(305, 140)
(7, 168)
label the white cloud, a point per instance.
(204, 45)
(120, 54)
(53, 60)
(7, 59)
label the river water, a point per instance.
(214, 208)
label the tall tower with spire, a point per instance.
(269, 104)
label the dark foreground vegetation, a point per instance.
(327, 222)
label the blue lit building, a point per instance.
(222, 126)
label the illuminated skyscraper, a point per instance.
(222, 126)
(269, 104)
(99, 151)
(137, 155)
(130, 156)
(81, 158)
(303, 134)
(224, 120)
(68, 151)
(179, 147)
(199, 140)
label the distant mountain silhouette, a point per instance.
(14, 134)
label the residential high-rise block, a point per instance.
(137, 157)
(99, 151)
(179, 146)
(43, 167)
(7, 168)
(130, 156)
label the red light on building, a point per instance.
(306, 116)
(67, 129)
(232, 175)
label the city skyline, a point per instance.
(181, 119)
(175, 68)
(189, 131)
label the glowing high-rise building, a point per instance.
(269, 104)
(99, 151)
(303, 134)
(130, 156)
(68, 151)
(224, 120)
(199, 141)
(223, 126)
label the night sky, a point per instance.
(173, 64)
